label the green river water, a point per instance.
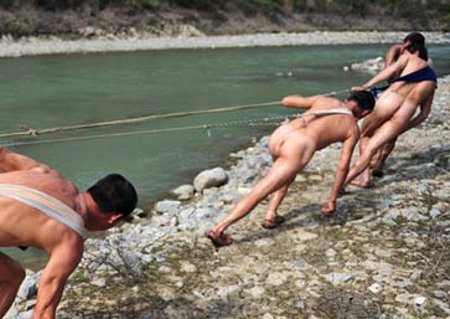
(50, 91)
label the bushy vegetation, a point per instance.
(67, 17)
(401, 8)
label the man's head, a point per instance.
(115, 197)
(415, 38)
(360, 103)
(419, 50)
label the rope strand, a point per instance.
(248, 122)
(35, 132)
(207, 127)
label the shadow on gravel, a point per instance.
(158, 308)
(309, 215)
(360, 203)
(402, 168)
(182, 308)
(340, 304)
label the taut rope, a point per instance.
(249, 122)
(33, 132)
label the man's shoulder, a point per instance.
(325, 102)
(66, 237)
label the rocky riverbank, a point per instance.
(191, 38)
(384, 254)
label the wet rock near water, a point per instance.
(184, 192)
(210, 178)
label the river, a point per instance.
(53, 91)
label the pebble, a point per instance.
(420, 300)
(277, 279)
(440, 294)
(375, 288)
(256, 292)
(188, 267)
(337, 278)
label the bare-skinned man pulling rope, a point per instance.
(40, 208)
(292, 146)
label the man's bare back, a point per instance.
(40, 208)
(21, 224)
(320, 131)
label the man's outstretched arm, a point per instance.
(10, 161)
(384, 75)
(299, 101)
(391, 54)
(344, 163)
(63, 261)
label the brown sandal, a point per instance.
(273, 223)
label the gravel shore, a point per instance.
(384, 254)
(111, 43)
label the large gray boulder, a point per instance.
(210, 178)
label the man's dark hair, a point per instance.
(415, 38)
(114, 193)
(364, 99)
(423, 52)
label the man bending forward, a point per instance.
(40, 208)
(292, 146)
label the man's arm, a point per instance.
(10, 161)
(63, 261)
(386, 74)
(425, 109)
(299, 101)
(392, 54)
(344, 163)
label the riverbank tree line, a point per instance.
(23, 17)
(400, 8)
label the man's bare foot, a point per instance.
(270, 223)
(360, 183)
(329, 209)
(219, 240)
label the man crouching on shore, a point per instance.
(40, 208)
(292, 146)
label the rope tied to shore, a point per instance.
(206, 127)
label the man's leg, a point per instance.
(11, 276)
(282, 173)
(387, 132)
(274, 203)
(377, 168)
(364, 179)
(385, 108)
